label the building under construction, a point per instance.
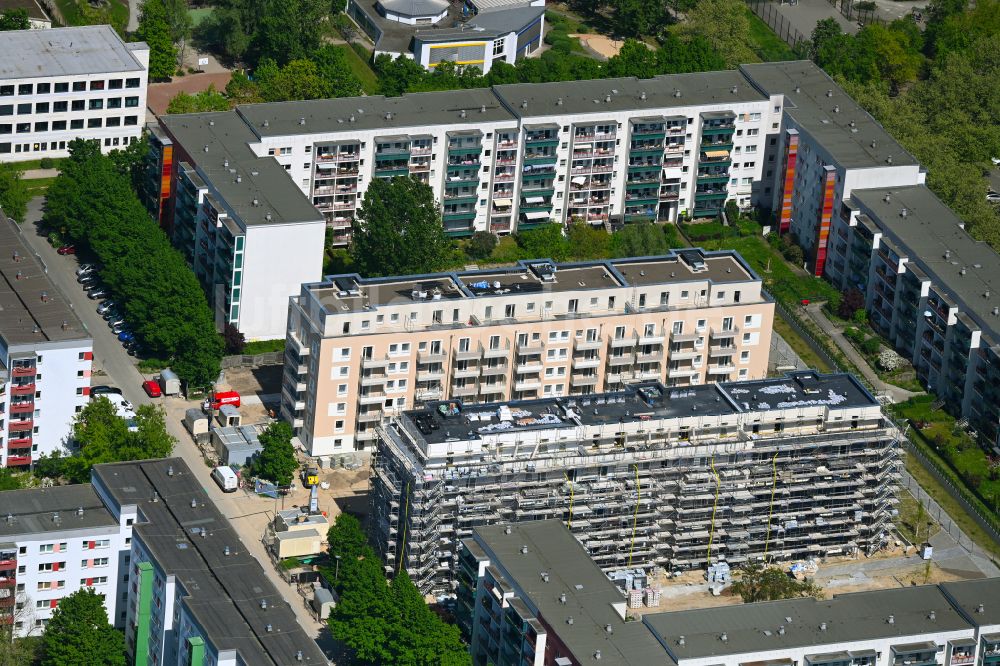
(794, 467)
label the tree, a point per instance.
(10, 480)
(154, 29)
(334, 68)
(201, 102)
(233, 339)
(276, 461)
(852, 301)
(725, 25)
(638, 17)
(19, 611)
(101, 436)
(223, 31)
(290, 29)
(398, 230)
(14, 19)
(14, 195)
(545, 242)
(757, 582)
(587, 241)
(299, 79)
(481, 245)
(181, 24)
(79, 634)
(346, 538)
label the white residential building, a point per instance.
(69, 83)
(53, 542)
(46, 356)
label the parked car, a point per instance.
(101, 389)
(83, 269)
(113, 314)
(118, 327)
(152, 388)
(105, 306)
(87, 278)
(993, 197)
(995, 160)
(134, 348)
(97, 292)
(115, 321)
(67, 249)
(125, 336)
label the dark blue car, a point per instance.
(125, 336)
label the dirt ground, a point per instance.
(601, 45)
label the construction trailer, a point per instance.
(803, 466)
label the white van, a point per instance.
(226, 478)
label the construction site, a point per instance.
(799, 467)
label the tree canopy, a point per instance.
(92, 203)
(382, 623)
(78, 634)
(206, 100)
(276, 462)
(14, 195)
(757, 582)
(154, 29)
(255, 30)
(398, 229)
(15, 19)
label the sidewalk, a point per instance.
(815, 312)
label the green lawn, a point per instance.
(361, 69)
(37, 164)
(73, 12)
(38, 187)
(799, 345)
(768, 45)
(199, 15)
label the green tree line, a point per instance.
(93, 204)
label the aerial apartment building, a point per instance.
(53, 542)
(509, 157)
(530, 596)
(46, 356)
(362, 349)
(70, 83)
(791, 468)
(931, 290)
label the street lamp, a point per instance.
(337, 572)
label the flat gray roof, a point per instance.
(32, 309)
(543, 99)
(931, 229)
(415, 7)
(847, 618)
(412, 110)
(92, 49)
(641, 402)
(487, 25)
(223, 592)
(589, 593)
(971, 595)
(35, 511)
(828, 117)
(218, 143)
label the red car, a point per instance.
(67, 249)
(152, 388)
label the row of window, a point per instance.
(65, 87)
(59, 125)
(69, 105)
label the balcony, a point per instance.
(721, 333)
(496, 352)
(717, 350)
(428, 394)
(372, 416)
(528, 368)
(493, 370)
(373, 380)
(624, 359)
(374, 398)
(721, 369)
(650, 357)
(583, 380)
(468, 354)
(374, 362)
(17, 461)
(585, 345)
(528, 385)
(430, 375)
(463, 391)
(22, 407)
(684, 355)
(23, 371)
(688, 371)
(465, 373)
(585, 363)
(434, 356)
(528, 348)
(622, 342)
(655, 338)
(685, 337)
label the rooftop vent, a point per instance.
(822, 626)
(980, 608)
(266, 124)
(781, 630)
(461, 114)
(932, 616)
(677, 93)
(298, 655)
(225, 163)
(888, 160)
(904, 212)
(798, 89)
(79, 510)
(734, 89)
(388, 115)
(609, 629)
(829, 92)
(545, 577)
(892, 619)
(524, 550)
(506, 530)
(642, 95)
(524, 104)
(562, 598)
(268, 628)
(724, 637)
(836, 108)
(302, 120)
(607, 99)
(597, 655)
(888, 197)
(226, 551)
(680, 640)
(194, 503)
(263, 604)
(45, 297)
(205, 148)
(482, 109)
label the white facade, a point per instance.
(70, 83)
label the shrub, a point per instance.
(871, 345)
(481, 245)
(852, 301)
(47, 163)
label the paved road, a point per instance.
(133, 15)
(119, 369)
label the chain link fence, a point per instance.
(768, 13)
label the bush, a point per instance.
(233, 339)
(481, 245)
(871, 346)
(852, 301)
(47, 163)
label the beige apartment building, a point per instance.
(360, 350)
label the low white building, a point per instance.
(69, 83)
(46, 356)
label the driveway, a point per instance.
(246, 512)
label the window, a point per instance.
(25, 89)
(95, 122)
(78, 105)
(754, 116)
(96, 104)
(6, 109)
(6, 129)
(76, 124)
(6, 91)
(114, 102)
(23, 128)
(131, 120)
(573, 305)
(113, 122)
(42, 88)
(42, 107)
(134, 83)
(133, 102)
(753, 131)
(42, 127)
(59, 107)
(115, 84)
(62, 87)
(678, 328)
(497, 47)
(97, 85)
